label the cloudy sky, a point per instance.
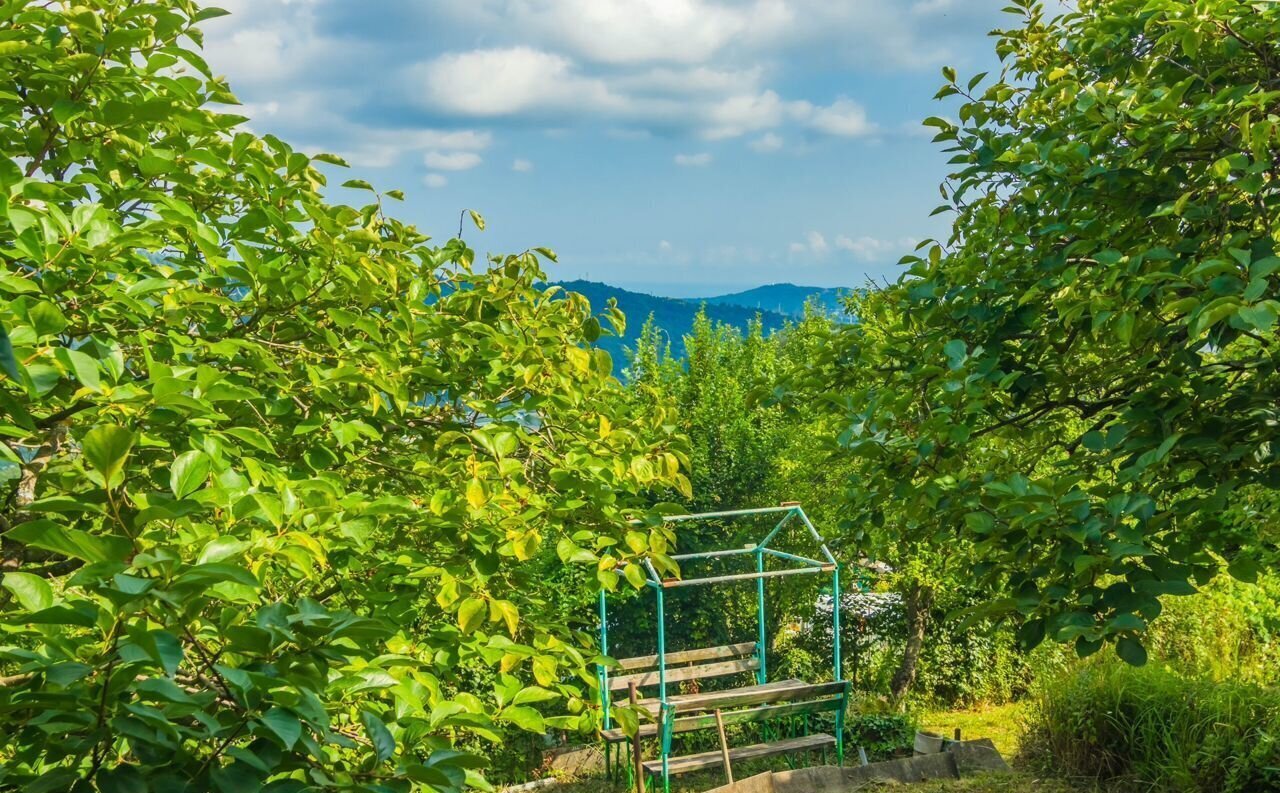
(683, 147)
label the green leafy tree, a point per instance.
(276, 466)
(1082, 380)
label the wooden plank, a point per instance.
(739, 697)
(705, 722)
(681, 673)
(689, 656)
(651, 703)
(697, 762)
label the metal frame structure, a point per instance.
(659, 586)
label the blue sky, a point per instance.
(681, 147)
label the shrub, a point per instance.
(882, 735)
(1157, 727)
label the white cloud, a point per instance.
(843, 117)
(873, 249)
(435, 180)
(767, 142)
(627, 31)
(699, 160)
(815, 246)
(507, 82)
(817, 243)
(521, 166)
(451, 161)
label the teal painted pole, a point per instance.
(663, 708)
(602, 673)
(839, 667)
(835, 621)
(762, 674)
(768, 538)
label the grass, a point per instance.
(1003, 724)
(1017, 782)
(1158, 730)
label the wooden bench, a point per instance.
(756, 702)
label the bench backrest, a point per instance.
(731, 659)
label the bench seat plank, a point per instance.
(786, 691)
(681, 673)
(697, 762)
(704, 722)
(651, 703)
(690, 656)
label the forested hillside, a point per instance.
(673, 316)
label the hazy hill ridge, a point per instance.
(774, 304)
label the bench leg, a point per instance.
(840, 737)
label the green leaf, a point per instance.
(8, 363)
(532, 695)
(32, 591)
(471, 614)
(106, 448)
(476, 219)
(635, 575)
(82, 366)
(284, 725)
(358, 184)
(332, 159)
(222, 548)
(525, 718)
(167, 650)
(188, 473)
(74, 543)
(383, 742)
(1244, 568)
(1131, 650)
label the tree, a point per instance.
(277, 463)
(1083, 377)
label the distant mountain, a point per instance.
(786, 299)
(673, 315)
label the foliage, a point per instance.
(283, 465)
(883, 735)
(1072, 390)
(1230, 632)
(1159, 728)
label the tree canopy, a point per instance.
(272, 464)
(1082, 380)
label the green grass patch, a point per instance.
(1003, 724)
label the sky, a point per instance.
(680, 147)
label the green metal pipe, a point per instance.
(762, 674)
(663, 708)
(813, 531)
(721, 579)
(835, 622)
(791, 511)
(731, 513)
(602, 673)
(792, 557)
(713, 554)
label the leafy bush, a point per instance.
(883, 735)
(286, 472)
(1155, 726)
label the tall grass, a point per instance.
(1157, 729)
